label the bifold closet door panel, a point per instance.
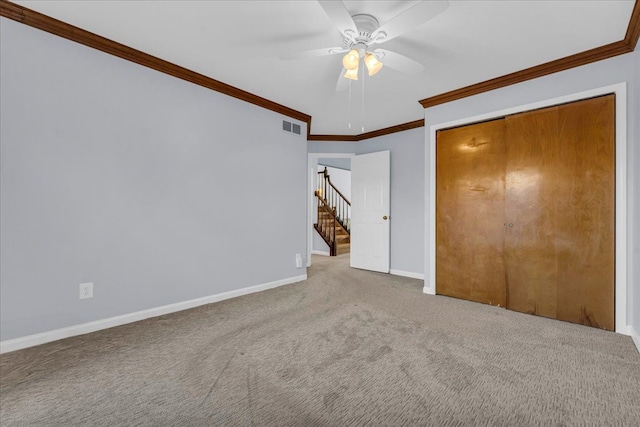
(470, 212)
(586, 228)
(531, 211)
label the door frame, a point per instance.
(312, 161)
(620, 91)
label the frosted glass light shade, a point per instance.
(372, 63)
(352, 74)
(351, 60)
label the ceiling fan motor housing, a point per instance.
(366, 25)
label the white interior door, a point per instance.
(370, 192)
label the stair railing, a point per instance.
(326, 225)
(334, 210)
(334, 199)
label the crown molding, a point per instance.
(633, 30)
(610, 50)
(333, 138)
(62, 29)
(368, 135)
(392, 129)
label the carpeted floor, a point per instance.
(346, 347)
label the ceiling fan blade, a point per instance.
(312, 53)
(414, 16)
(398, 62)
(338, 13)
(343, 82)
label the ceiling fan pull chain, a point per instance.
(350, 104)
(362, 99)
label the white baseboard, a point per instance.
(323, 253)
(428, 290)
(635, 336)
(85, 328)
(407, 274)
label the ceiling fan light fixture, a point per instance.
(352, 74)
(372, 63)
(351, 60)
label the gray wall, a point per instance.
(407, 191)
(150, 187)
(633, 162)
(340, 178)
(336, 163)
(624, 68)
(317, 242)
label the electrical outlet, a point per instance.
(86, 290)
(298, 261)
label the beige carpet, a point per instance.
(346, 347)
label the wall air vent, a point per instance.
(291, 127)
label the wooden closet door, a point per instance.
(531, 211)
(470, 212)
(586, 226)
(560, 188)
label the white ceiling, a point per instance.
(239, 43)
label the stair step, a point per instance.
(343, 248)
(325, 213)
(327, 217)
(339, 231)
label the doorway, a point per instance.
(335, 160)
(332, 207)
(368, 229)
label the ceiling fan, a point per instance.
(361, 34)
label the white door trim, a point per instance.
(312, 160)
(620, 90)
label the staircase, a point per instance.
(334, 216)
